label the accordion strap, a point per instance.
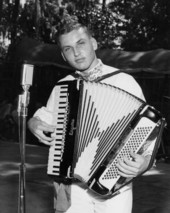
(75, 75)
(107, 75)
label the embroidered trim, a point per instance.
(92, 74)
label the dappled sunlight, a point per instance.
(161, 53)
(125, 54)
(10, 173)
(12, 168)
(8, 165)
(137, 56)
(8, 168)
(35, 166)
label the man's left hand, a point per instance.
(134, 167)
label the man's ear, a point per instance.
(94, 43)
(63, 56)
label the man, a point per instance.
(78, 49)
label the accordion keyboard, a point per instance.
(56, 151)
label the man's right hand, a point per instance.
(39, 128)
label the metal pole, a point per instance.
(22, 112)
(21, 205)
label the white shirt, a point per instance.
(121, 80)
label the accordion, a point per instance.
(96, 125)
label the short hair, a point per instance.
(68, 24)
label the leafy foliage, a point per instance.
(41, 19)
(104, 25)
(148, 25)
(102, 21)
(127, 24)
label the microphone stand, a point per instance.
(23, 102)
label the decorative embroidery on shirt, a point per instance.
(92, 74)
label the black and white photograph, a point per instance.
(84, 106)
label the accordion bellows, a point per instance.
(98, 124)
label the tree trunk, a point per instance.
(37, 15)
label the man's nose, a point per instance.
(76, 51)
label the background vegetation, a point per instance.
(125, 24)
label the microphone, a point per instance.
(26, 82)
(27, 74)
(23, 101)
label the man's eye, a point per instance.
(81, 43)
(66, 49)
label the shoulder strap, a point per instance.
(75, 75)
(108, 75)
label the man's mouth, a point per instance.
(80, 60)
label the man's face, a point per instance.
(78, 49)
